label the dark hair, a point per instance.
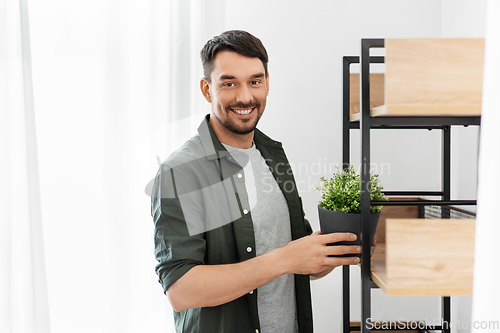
(238, 41)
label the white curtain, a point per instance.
(23, 285)
(115, 90)
(486, 289)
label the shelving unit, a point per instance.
(411, 102)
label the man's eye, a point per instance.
(228, 84)
(254, 82)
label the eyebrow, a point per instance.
(232, 77)
(257, 76)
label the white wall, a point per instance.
(306, 42)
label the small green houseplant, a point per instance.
(342, 192)
(340, 205)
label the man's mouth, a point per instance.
(242, 111)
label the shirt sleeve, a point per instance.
(175, 249)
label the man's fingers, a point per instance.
(335, 262)
(342, 249)
(338, 237)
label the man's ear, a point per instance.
(205, 89)
(267, 83)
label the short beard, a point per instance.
(232, 127)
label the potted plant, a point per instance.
(340, 205)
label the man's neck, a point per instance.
(243, 141)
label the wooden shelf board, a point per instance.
(422, 261)
(378, 267)
(428, 110)
(376, 91)
(423, 111)
(428, 78)
(434, 72)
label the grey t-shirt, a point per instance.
(271, 221)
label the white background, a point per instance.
(98, 139)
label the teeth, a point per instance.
(243, 112)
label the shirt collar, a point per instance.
(211, 144)
(214, 148)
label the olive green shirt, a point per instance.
(202, 217)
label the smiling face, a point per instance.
(237, 90)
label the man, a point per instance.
(234, 250)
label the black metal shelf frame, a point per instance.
(365, 124)
(418, 122)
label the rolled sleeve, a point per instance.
(175, 250)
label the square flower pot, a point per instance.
(333, 222)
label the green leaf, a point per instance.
(342, 192)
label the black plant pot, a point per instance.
(331, 222)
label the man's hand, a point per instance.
(310, 254)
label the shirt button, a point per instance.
(240, 175)
(256, 331)
(249, 249)
(251, 292)
(245, 211)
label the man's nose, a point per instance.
(244, 95)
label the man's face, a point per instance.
(237, 92)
